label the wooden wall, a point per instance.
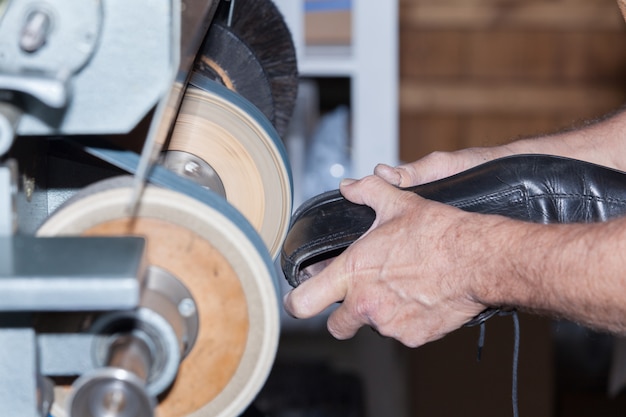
(483, 72)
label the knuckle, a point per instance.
(436, 156)
(370, 180)
(368, 309)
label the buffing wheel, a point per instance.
(239, 144)
(217, 255)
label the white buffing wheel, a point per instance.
(241, 146)
(225, 265)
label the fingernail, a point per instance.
(346, 181)
(382, 166)
(286, 297)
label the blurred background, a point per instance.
(393, 81)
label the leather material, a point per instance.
(535, 188)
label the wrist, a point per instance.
(496, 280)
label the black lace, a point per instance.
(481, 344)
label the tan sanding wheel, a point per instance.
(233, 288)
(244, 155)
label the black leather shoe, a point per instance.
(536, 188)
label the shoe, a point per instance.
(535, 188)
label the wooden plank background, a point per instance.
(479, 73)
(483, 72)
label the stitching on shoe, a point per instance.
(588, 197)
(518, 192)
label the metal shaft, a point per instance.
(131, 353)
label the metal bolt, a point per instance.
(35, 31)
(187, 307)
(28, 184)
(192, 168)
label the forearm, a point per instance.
(602, 142)
(573, 271)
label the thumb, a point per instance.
(317, 293)
(374, 192)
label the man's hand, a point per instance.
(411, 277)
(425, 269)
(438, 165)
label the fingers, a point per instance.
(334, 282)
(390, 174)
(386, 200)
(321, 291)
(343, 324)
(370, 191)
(435, 166)
(400, 176)
(330, 285)
(316, 294)
(309, 299)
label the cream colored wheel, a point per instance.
(225, 265)
(241, 147)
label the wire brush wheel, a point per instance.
(253, 56)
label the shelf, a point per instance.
(371, 61)
(327, 61)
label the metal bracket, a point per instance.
(8, 193)
(70, 273)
